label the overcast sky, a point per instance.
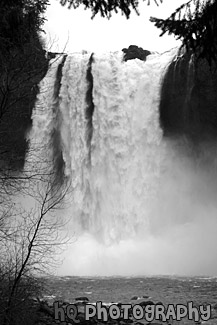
(77, 31)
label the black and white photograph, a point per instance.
(108, 162)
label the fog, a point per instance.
(181, 234)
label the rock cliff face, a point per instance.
(188, 104)
(135, 52)
(20, 74)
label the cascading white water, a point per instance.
(115, 180)
(43, 118)
(132, 198)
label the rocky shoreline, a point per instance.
(47, 315)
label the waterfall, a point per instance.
(131, 195)
(111, 141)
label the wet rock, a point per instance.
(128, 321)
(134, 298)
(81, 299)
(135, 52)
(81, 317)
(146, 303)
(188, 99)
(159, 303)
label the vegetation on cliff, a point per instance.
(22, 66)
(195, 23)
(24, 231)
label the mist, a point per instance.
(180, 237)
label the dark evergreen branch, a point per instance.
(195, 23)
(107, 7)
